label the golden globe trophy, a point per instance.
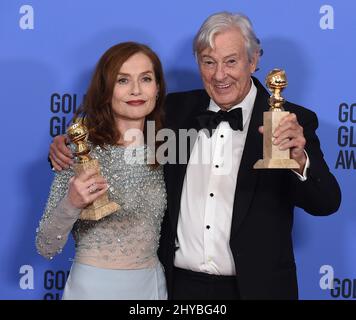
(273, 158)
(78, 133)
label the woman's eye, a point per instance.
(122, 81)
(231, 62)
(147, 79)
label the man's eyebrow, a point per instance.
(206, 56)
(231, 55)
(226, 57)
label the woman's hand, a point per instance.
(85, 188)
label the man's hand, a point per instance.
(289, 135)
(86, 188)
(60, 155)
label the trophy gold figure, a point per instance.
(101, 207)
(273, 158)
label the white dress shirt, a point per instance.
(208, 194)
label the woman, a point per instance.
(116, 257)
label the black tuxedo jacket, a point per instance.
(261, 231)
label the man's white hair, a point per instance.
(222, 21)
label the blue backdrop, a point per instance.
(48, 51)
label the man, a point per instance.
(227, 230)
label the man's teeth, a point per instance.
(221, 86)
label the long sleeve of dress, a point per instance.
(58, 218)
(125, 239)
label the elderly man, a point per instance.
(227, 230)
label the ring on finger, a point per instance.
(92, 188)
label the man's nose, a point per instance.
(220, 72)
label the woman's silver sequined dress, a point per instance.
(127, 239)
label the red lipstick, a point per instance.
(136, 102)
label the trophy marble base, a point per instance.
(99, 212)
(273, 158)
(276, 164)
(101, 207)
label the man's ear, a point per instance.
(254, 62)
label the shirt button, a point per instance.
(216, 166)
(222, 136)
(211, 194)
(208, 227)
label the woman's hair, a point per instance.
(96, 107)
(220, 22)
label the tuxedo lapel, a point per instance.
(196, 104)
(247, 176)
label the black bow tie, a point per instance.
(210, 119)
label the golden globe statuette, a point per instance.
(273, 158)
(101, 207)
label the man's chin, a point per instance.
(224, 104)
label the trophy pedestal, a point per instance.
(276, 164)
(101, 207)
(273, 158)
